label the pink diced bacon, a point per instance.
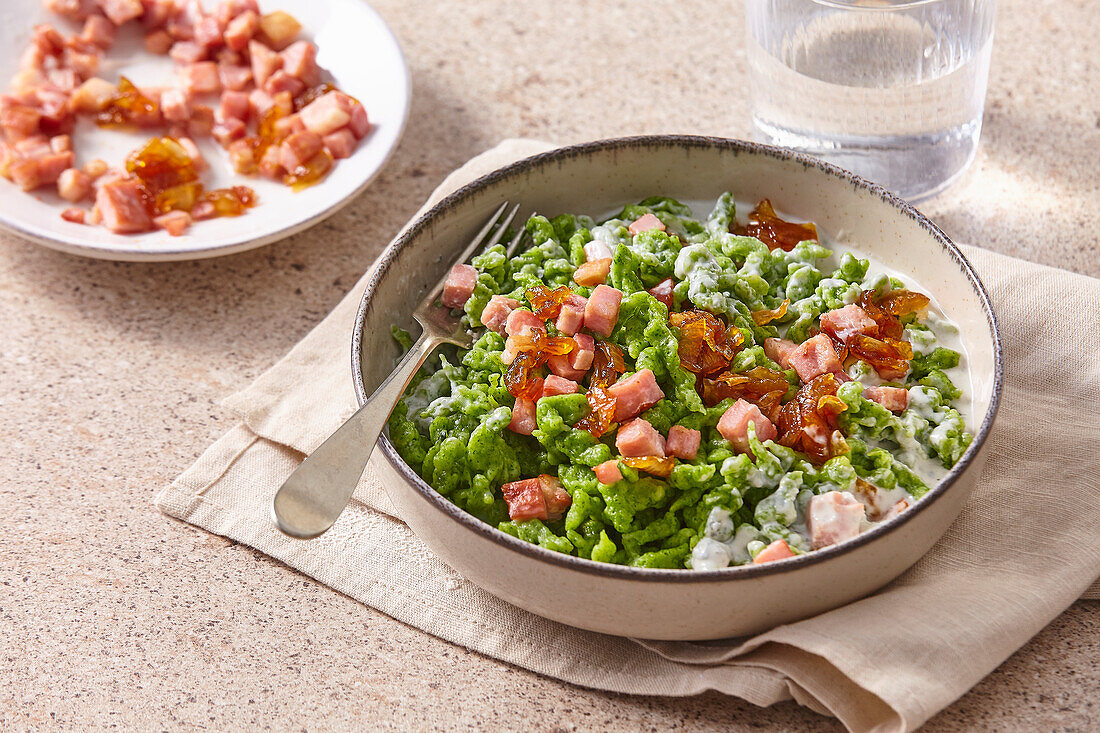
(341, 144)
(174, 222)
(240, 30)
(159, 42)
(234, 104)
(778, 550)
(814, 357)
(601, 312)
(518, 320)
(894, 399)
(536, 498)
(608, 472)
(74, 184)
(497, 311)
(571, 317)
(582, 356)
(265, 62)
(175, 105)
(635, 394)
(72, 9)
(523, 417)
(460, 282)
(638, 439)
(734, 425)
(235, 76)
(187, 52)
(327, 113)
(848, 321)
(555, 385)
(297, 150)
(300, 61)
(201, 78)
(120, 11)
(779, 351)
(833, 517)
(122, 206)
(683, 442)
(645, 223)
(281, 81)
(98, 31)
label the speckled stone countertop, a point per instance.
(111, 375)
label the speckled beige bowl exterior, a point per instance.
(678, 604)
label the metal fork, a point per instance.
(311, 500)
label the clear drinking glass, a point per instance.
(890, 89)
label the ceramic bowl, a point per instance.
(598, 178)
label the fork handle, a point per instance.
(312, 498)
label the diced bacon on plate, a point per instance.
(61, 143)
(555, 385)
(279, 28)
(300, 61)
(523, 417)
(635, 394)
(298, 148)
(497, 311)
(33, 147)
(460, 282)
(229, 9)
(645, 223)
(265, 62)
(520, 319)
(601, 312)
(360, 123)
(187, 52)
(208, 32)
(193, 153)
(327, 113)
(260, 102)
(559, 365)
(201, 78)
(234, 104)
(597, 250)
(734, 425)
(269, 163)
(571, 317)
(174, 222)
(593, 272)
(47, 40)
(66, 79)
(95, 168)
(175, 105)
(779, 351)
(683, 442)
(894, 399)
(159, 41)
(833, 517)
(98, 31)
(76, 10)
(240, 30)
(43, 170)
(228, 130)
(203, 210)
(289, 125)
(74, 184)
(582, 356)
(814, 357)
(242, 156)
(848, 321)
(281, 81)
(234, 76)
(122, 206)
(75, 215)
(608, 472)
(201, 123)
(340, 143)
(638, 439)
(778, 550)
(18, 120)
(120, 11)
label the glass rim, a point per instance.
(894, 5)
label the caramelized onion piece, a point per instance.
(763, 317)
(546, 302)
(522, 378)
(808, 422)
(657, 465)
(706, 345)
(751, 385)
(773, 231)
(607, 365)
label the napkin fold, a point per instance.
(1024, 548)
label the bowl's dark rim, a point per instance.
(665, 575)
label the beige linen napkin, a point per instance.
(1024, 548)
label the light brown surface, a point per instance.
(111, 375)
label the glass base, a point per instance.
(913, 167)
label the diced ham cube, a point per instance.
(460, 283)
(559, 365)
(95, 168)
(264, 62)
(281, 81)
(120, 11)
(778, 550)
(833, 517)
(518, 320)
(157, 13)
(848, 321)
(201, 78)
(270, 165)
(571, 317)
(608, 472)
(25, 173)
(644, 223)
(76, 10)
(557, 498)
(602, 310)
(289, 125)
(159, 42)
(593, 272)
(360, 123)
(208, 33)
(814, 357)
(279, 28)
(174, 222)
(300, 61)
(555, 385)
(283, 103)
(47, 40)
(326, 114)
(734, 425)
(76, 216)
(340, 143)
(779, 351)
(61, 143)
(662, 291)
(894, 399)
(65, 80)
(300, 147)
(525, 500)
(234, 76)
(260, 102)
(18, 120)
(98, 31)
(240, 30)
(229, 57)
(187, 52)
(193, 153)
(597, 250)
(201, 123)
(33, 147)
(683, 442)
(74, 184)
(523, 417)
(122, 206)
(242, 156)
(234, 104)
(175, 105)
(582, 356)
(43, 170)
(638, 439)
(635, 394)
(497, 311)
(228, 130)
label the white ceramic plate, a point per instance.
(354, 45)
